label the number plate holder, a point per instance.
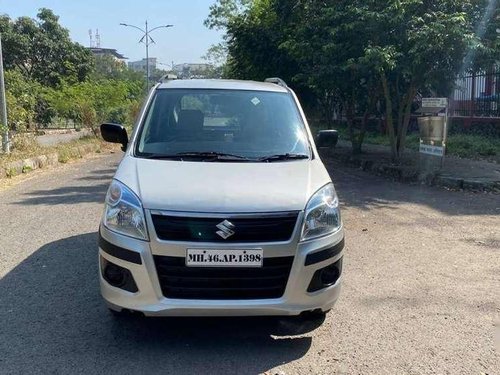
(224, 258)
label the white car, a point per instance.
(220, 206)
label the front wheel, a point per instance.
(124, 314)
(313, 316)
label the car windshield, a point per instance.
(233, 125)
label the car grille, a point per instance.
(222, 283)
(258, 228)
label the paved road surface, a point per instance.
(422, 276)
(58, 138)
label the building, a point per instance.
(98, 51)
(141, 65)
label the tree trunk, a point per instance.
(356, 148)
(362, 131)
(327, 104)
(406, 110)
(389, 117)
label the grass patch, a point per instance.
(11, 172)
(27, 169)
(469, 146)
(25, 146)
(474, 146)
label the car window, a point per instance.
(251, 124)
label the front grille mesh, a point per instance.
(222, 283)
(265, 228)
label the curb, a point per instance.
(410, 174)
(17, 167)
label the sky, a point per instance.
(186, 42)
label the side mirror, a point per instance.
(327, 138)
(115, 133)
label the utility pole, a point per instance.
(147, 55)
(3, 107)
(147, 40)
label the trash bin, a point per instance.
(431, 129)
(432, 133)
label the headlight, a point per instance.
(322, 214)
(123, 212)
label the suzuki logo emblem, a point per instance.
(226, 229)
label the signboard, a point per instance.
(434, 102)
(432, 150)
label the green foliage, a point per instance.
(222, 12)
(485, 48)
(359, 57)
(107, 67)
(42, 50)
(473, 146)
(11, 172)
(22, 97)
(93, 102)
(48, 76)
(216, 56)
(26, 169)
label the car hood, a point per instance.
(222, 187)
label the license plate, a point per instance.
(224, 258)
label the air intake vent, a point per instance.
(222, 283)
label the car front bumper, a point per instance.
(137, 257)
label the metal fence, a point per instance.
(477, 95)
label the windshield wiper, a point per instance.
(211, 155)
(163, 156)
(280, 157)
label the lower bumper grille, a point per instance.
(222, 283)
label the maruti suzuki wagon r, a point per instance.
(220, 206)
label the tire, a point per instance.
(116, 314)
(125, 314)
(313, 316)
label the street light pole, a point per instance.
(147, 56)
(146, 38)
(3, 107)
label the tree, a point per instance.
(90, 103)
(106, 66)
(42, 50)
(216, 57)
(415, 45)
(353, 54)
(485, 49)
(23, 96)
(222, 12)
(330, 40)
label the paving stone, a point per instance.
(29, 165)
(42, 161)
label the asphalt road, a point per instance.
(53, 139)
(421, 290)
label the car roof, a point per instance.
(221, 84)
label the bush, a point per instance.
(21, 95)
(93, 102)
(118, 115)
(489, 128)
(24, 142)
